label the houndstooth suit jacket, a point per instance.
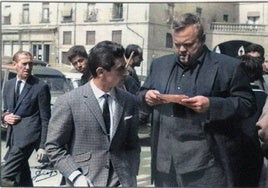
(77, 138)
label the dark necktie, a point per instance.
(106, 113)
(17, 92)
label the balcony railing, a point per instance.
(233, 27)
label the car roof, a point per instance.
(72, 75)
(38, 70)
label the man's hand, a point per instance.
(12, 119)
(199, 104)
(82, 181)
(41, 154)
(262, 124)
(265, 67)
(151, 98)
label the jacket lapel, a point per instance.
(93, 105)
(119, 106)
(11, 90)
(27, 87)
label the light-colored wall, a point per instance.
(143, 24)
(244, 8)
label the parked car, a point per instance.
(74, 78)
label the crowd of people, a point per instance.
(209, 116)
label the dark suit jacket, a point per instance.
(77, 123)
(33, 106)
(195, 141)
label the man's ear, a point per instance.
(14, 63)
(99, 71)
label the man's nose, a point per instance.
(27, 66)
(181, 48)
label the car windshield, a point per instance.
(56, 84)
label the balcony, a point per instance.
(242, 28)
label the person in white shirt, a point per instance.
(89, 147)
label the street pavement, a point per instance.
(50, 177)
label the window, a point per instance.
(225, 17)
(45, 13)
(67, 12)
(92, 12)
(25, 13)
(91, 37)
(169, 41)
(41, 52)
(117, 11)
(7, 15)
(67, 37)
(117, 36)
(253, 17)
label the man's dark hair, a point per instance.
(104, 55)
(186, 20)
(136, 49)
(252, 66)
(77, 50)
(255, 48)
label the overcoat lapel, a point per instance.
(207, 74)
(167, 70)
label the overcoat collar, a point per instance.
(206, 74)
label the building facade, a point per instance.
(49, 29)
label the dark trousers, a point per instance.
(209, 177)
(16, 170)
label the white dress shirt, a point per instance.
(111, 101)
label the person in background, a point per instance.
(26, 113)
(78, 56)
(92, 135)
(253, 156)
(134, 56)
(197, 99)
(256, 50)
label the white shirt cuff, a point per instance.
(74, 174)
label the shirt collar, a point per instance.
(98, 92)
(23, 81)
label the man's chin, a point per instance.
(183, 59)
(26, 75)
